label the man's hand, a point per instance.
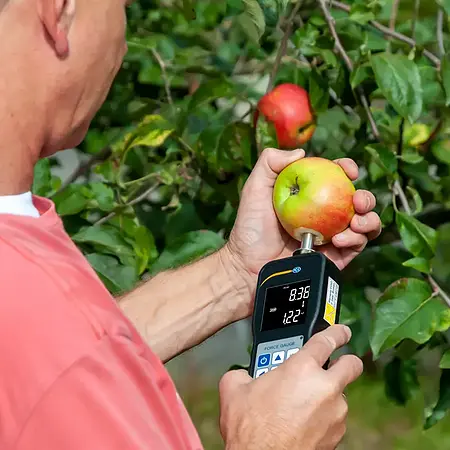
(297, 406)
(258, 237)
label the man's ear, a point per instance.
(57, 17)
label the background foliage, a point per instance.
(168, 154)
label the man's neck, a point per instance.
(17, 162)
(22, 118)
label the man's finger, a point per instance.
(364, 201)
(349, 239)
(232, 380)
(272, 161)
(346, 370)
(323, 344)
(366, 223)
(349, 166)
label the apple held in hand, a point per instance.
(288, 108)
(314, 195)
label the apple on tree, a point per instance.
(287, 107)
(314, 195)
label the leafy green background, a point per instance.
(162, 168)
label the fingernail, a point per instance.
(368, 202)
(348, 331)
(362, 221)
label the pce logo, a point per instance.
(296, 269)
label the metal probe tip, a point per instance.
(307, 244)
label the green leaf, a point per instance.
(445, 4)
(152, 131)
(411, 156)
(418, 238)
(387, 215)
(144, 247)
(209, 91)
(445, 73)
(399, 80)
(407, 310)
(318, 92)
(360, 74)
(420, 264)
(252, 20)
(443, 403)
(401, 380)
(107, 238)
(235, 148)
(417, 200)
(445, 360)
(117, 278)
(441, 150)
(361, 14)
(187, 248)
(103, 195)
(72, 200)
(42, 178)
(383, 157)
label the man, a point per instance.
(76, 368)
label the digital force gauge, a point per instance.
(296, 297)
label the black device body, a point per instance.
(296, 297)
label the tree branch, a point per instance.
(388, 32)
(398, 191)
(439, 32)
(341, 50)
(283, 45)
(162, 65)
(393, 18)
(133, 202)
(101, 156)
(439, 290)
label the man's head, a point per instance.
(61, 58)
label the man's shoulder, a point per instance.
(53, 311)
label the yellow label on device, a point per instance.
(332, 300)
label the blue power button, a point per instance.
(296, 269)
(264, 360)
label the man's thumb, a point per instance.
(233, 380)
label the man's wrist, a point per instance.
(241, 281)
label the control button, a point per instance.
(261, 372)
(277, 357)
(292, 352)
(274, 367)
(264, 360)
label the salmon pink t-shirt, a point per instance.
(74, 373)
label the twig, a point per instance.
(101, 156)
(283, 45)
(349, 64)
(439, 32)
(398, 190)
(133, 202)
(439, 290)
(388, 32)
(394, 13)
(415, 18)
(337, 41)
(162, 65)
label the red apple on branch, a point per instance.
(314, 195)
(288, 108)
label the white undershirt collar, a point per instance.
(19, 205)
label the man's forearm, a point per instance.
(178, 309)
